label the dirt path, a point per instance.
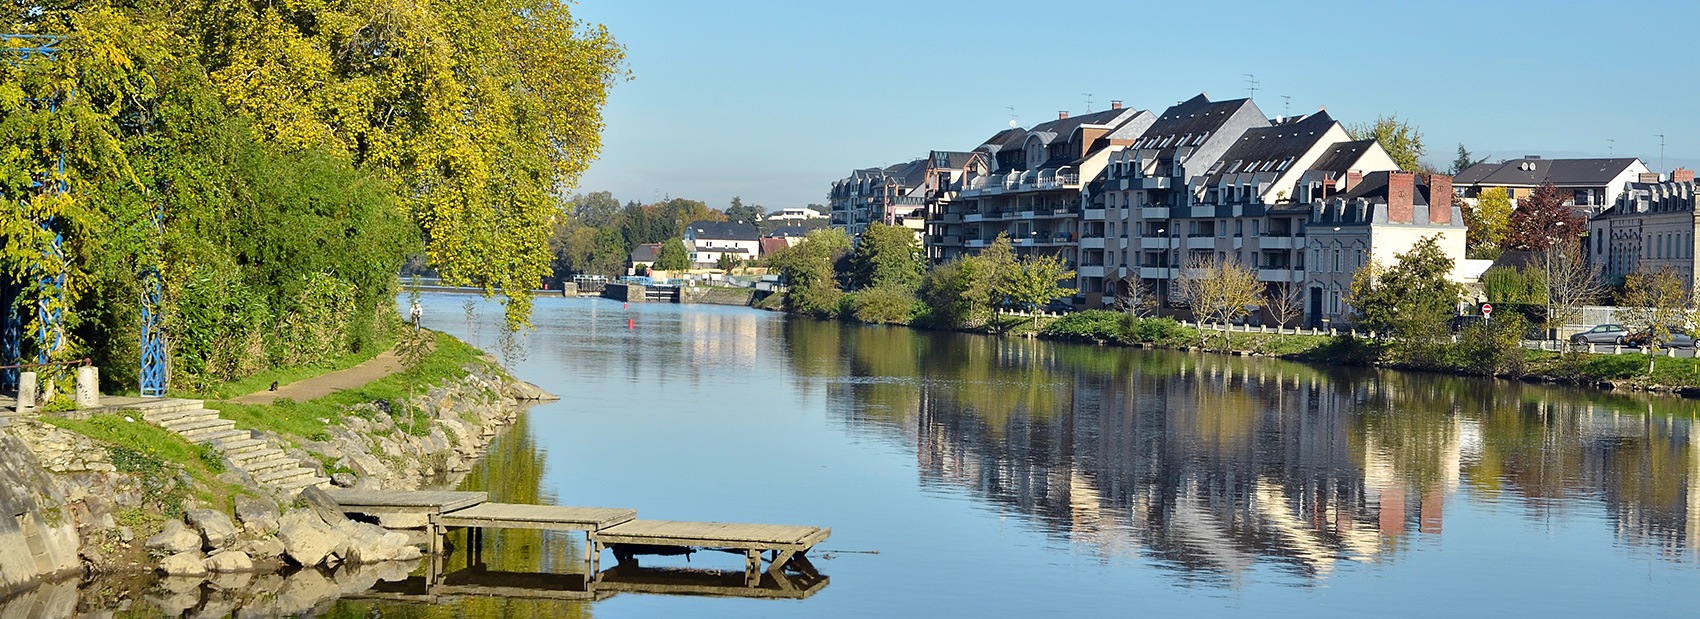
(385, 364)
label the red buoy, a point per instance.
(631, 324)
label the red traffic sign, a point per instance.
(1487, 309)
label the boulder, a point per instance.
(323, 505)
(264, 548)
(188, 563)
(307, 540)
(258, 515)
(370, 543)
(217, 531)
(173, 539)
(230, 561)
(343, 480)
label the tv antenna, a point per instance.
(1611, 147)
(1286, 104)
(1661, 137)
(1088, 101)
(1251, 83)
(1012, 123)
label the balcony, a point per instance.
(1156, 272)
(1280, 275)
(977, 243)
(1092, 242)
(1201, 242)
(1159, 242)
(951, 218)
(1090, 271)
(1153, 182)
(1094, 214)
(1154, 212)
(1275, 242)
(1204, 211)
(973, 218)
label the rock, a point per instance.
(403, 521)
(126, 534)
(188, 563)
(300, 592)
(230, 561)
(343, 480)
(173, 539)
(307, 540)
(236, 581)
(265, 548)
(370, 543)
(258, 515)
(322, 504)
(216, 529)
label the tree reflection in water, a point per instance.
(1210, 463)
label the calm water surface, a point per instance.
(967, 475)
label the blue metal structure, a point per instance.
(50, 306)
(155, 371)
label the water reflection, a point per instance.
(1211, 465)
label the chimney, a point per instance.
(1062, 114)
(1115, 104)
(1648, 177)
(1353, 178)
(1400, 188)
(1682, 175)
(1439, 199)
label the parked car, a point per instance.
(1679, 338)
(1601, 334)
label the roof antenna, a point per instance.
(1286, 104)
(1088, 101)
(1611, 148)
(1661, 151)
(1252, 83)
(1012, 123)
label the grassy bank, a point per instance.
(156, 455)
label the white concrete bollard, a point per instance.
(26, 391)
(88, 386)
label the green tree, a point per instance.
(1036, 281)
(807, 272)
(595, 209)
(1464, 160)
(1487, 223)
(1411, 300)
(1402, 141)
(1543, 220)
(673, 256)
(726, 263)
(887, 256)
(1653, 303)
(747, 213)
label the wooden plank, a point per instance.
(415, 500)
(705, 582)
(545, 517)
(714, 535)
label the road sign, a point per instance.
(1487, 309)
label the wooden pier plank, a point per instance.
(548, 517)
(405, 501)
(714, 535)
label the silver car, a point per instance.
(1610, 333)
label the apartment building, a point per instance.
(1653, 226)
(1032, 191)
(888, 195)
(1592, 184)
(945, 238)
(1376, 218)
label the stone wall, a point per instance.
(38, 532)
(716, 296)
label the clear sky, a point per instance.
(772, 101)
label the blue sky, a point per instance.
(771, 101)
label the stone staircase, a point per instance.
(261, 459)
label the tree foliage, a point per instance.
(1402, 141)
(887, 256)
(1487, 223)
(1218, 291)
(807, 271)
(1542, 220)
(1654, 302)
(1035, 281)
(1413, 299)
(673, 256)
(1464, 160)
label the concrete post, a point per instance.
(88, 386)
(26, 391)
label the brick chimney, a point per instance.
(1439, 199)
(1353, 179)
(1401, 187)
(1062, 114)
(1647, 177)
(1682, 175)
(1115, 104)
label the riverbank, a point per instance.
(114, 494)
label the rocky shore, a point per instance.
(86, 511)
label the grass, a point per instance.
(156, 453)
(287, 375)
(312, 419)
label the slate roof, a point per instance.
(724, 230)
(789, 230)
(950, 159)
(1271, 150)
(908, 174)
(1003, 139)
(646, 252)
(1064, 127)
(1374, 189)
(1341, 156)
(1562, 172)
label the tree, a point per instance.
(1036, 281)
(739, 211)
(1653, 303)
(1571, 283)
(887, 256)
(1402, 141)
(1464, 160)
(1217, 291)
(807, 272)
(596, 209)
(1285, 302)
(1136, 298)
(673, 256)
(1543, 220)
(1412, 300)
(1487, 224)
(726, 262)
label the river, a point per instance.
(976, 476)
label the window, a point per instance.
(1336, 260)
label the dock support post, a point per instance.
(752, 567)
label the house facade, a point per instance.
(707, 241)
(1591, 185)
(1652, 227)
(1377, 218)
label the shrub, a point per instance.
(1158, 331)
(1491, 348)
(1087, 326)
(884, 305)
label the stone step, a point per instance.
(302, 482)
(277, 476)
(191, 425)
(180, 416)
(222, 435)
(206, 430)
(239, 443)
(256, 455)
(256, 467)
(167, 406)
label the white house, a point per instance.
(707, 241)
(796, 213)
(1378, 218)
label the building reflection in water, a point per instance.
(1212, 464)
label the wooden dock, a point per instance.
(615, 529)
